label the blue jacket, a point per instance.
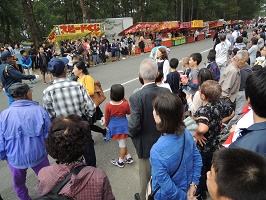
(164, 159)
(253, 138)
(23, 128)
(25, 61)
(10, 75)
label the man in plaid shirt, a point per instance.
(67, 97)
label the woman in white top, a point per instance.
(162, 62)
(203, 75)
(253, 50)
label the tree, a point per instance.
(34, 29)
(84, 14)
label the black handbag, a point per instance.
(53, 194)
(151, 196)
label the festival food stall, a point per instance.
(73, 31)
(197, 25)
(166, 28)
(183, 27)
(213, 25)
(143, 28)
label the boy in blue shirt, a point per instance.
(26, 63)
(213, 66)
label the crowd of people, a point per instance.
(174, 161)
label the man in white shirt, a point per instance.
(236, 32)
(221, 52)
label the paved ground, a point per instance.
(125, 182)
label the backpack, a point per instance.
(53, 194)
(215, 70)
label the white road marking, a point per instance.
(138, 77)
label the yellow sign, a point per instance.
(197, 23)
(68, 31)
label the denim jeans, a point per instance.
(10, 98)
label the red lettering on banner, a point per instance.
(67, 29)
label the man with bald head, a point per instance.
(231, 78)
(141, 126)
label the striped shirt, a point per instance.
(66, 97)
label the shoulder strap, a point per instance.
(60, 185)
(184, 142)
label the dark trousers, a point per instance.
(141, 46)
(19, 178)
(202, 187)
(89, 155)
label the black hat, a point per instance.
(56, 66)
(18, 89)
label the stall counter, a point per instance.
(190, 39)
(201, 37)
(167, 42)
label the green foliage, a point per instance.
(49, 13)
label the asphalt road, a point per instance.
(125, 181)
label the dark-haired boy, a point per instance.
(26, 63)
(42, 64)
(118, 49)
(254, 137)
(192, 81)
(237, 174)
(209, 118)
(173, 78)
(213, 66)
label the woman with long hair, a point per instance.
(87, 81)
(162, 61)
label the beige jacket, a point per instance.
(230, 82)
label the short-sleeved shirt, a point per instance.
(193, 78)
(214, 112)
(173, 79)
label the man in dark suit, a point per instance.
(141, 126)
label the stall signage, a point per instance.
(185, 25)
(197, 23)
(173, 24)
(78, 28)
(212, 24)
